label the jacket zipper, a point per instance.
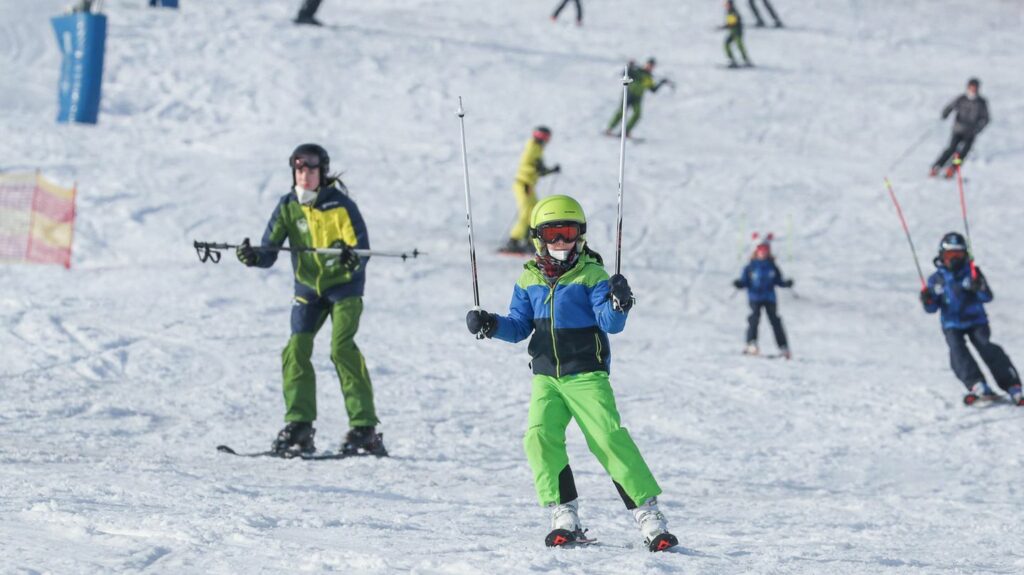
(554, 347)
(597, 340)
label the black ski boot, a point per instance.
(295, 439)
(364, 441)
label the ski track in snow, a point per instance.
(122, 375)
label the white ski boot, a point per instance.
(565, 526)
(751, 348)
(653, 526)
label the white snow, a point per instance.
(120, 376)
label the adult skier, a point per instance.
(971, 118)
(759, 278)
(734, 24)
(531, 169)
(563, 4)
(318, 213)
(959, 290)
(643, 81)
(307, 13)
(566, 300)
(771, 12)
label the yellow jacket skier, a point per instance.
(531, 169)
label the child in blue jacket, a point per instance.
(760, 277)
(959, 290)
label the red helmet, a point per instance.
(542, 133)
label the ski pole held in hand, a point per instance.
(626, 81)
(461, 113)
(210, 251)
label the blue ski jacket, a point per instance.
(760, 278)
(962, 307)
(570, 319)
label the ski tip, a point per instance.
(559, 538)
(226, 449)
(663, 542)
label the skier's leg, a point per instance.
(757, 15)
(616, 118)
(777, 329)
(965, 146)
(635, 116)
(753, 320)
(579, 11)
(526, 198)
(299, 378)
(350, 364)
(768, 5)
(995, 358)
(559, 9)
(728, 47)
(309, 8)
(946, 154)
(590, 399)
(743, 48)
(961, 360)
(544, 443)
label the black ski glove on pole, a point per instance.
(347, 259)
(787, 283)
(738, 284)
(926, 297)
(620, 293)
(482, 323)
(247, 254)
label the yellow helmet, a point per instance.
(553, 209)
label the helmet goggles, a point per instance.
(953, 257)
(552, 232)
(309, 161)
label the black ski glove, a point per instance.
(556, 169)
(978, 282)
(481, 323)
(620, 293)
(347, 259)
(738, 284)
(247, 254)
(926, 297)
(786, 283)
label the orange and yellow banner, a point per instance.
(37, 220)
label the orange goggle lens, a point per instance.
(558, 232)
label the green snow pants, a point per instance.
(636, 106)
(588, 398)
(297, 367)
(736, 37)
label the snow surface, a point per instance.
(120, 376)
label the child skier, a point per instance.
(971, 118)
(531, 169)
(734, 24)
(959, 290)
(566, 299)
(760, 277)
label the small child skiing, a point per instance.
(759, 278)
(531, 169)
(566, 300)
(959, 290)
(734, 24)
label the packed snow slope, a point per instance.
(120, 376)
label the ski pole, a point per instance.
(210, 251)
(906, 231)
(917, 143)
(461, 113)
(626, 80)
(963, 209)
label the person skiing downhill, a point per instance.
(971, 118)
(317, 212)
(771, 12)
(531, 169)
(759, 278)
(734, 24)
(643, 81)
(960, 291)
(566, 300)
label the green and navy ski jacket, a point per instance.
(332, 217)
(570, 319)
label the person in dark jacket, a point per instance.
(760, 278)
(643, 81)
(563, 4)
(971, 118)
(307, 14)
(959, 290)
(318, 213)
(734, 24)
(771, 11)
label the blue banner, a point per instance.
(164, 3)
(82, 39)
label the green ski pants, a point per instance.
(736, 37)
(297, 367)
(588, 398)
(636, 106)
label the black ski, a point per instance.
(305, 456)
(568, 539)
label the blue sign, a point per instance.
(164, 3)
(82, 38)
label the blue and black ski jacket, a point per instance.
(760, 277)
(961, 306)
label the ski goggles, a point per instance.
(559, 231)
(310, 162)
(950, 257)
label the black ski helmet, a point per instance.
(952, 251)
(312, 150)
(974, 82)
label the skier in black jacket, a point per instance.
(971, 118)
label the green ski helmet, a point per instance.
(553, 209)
